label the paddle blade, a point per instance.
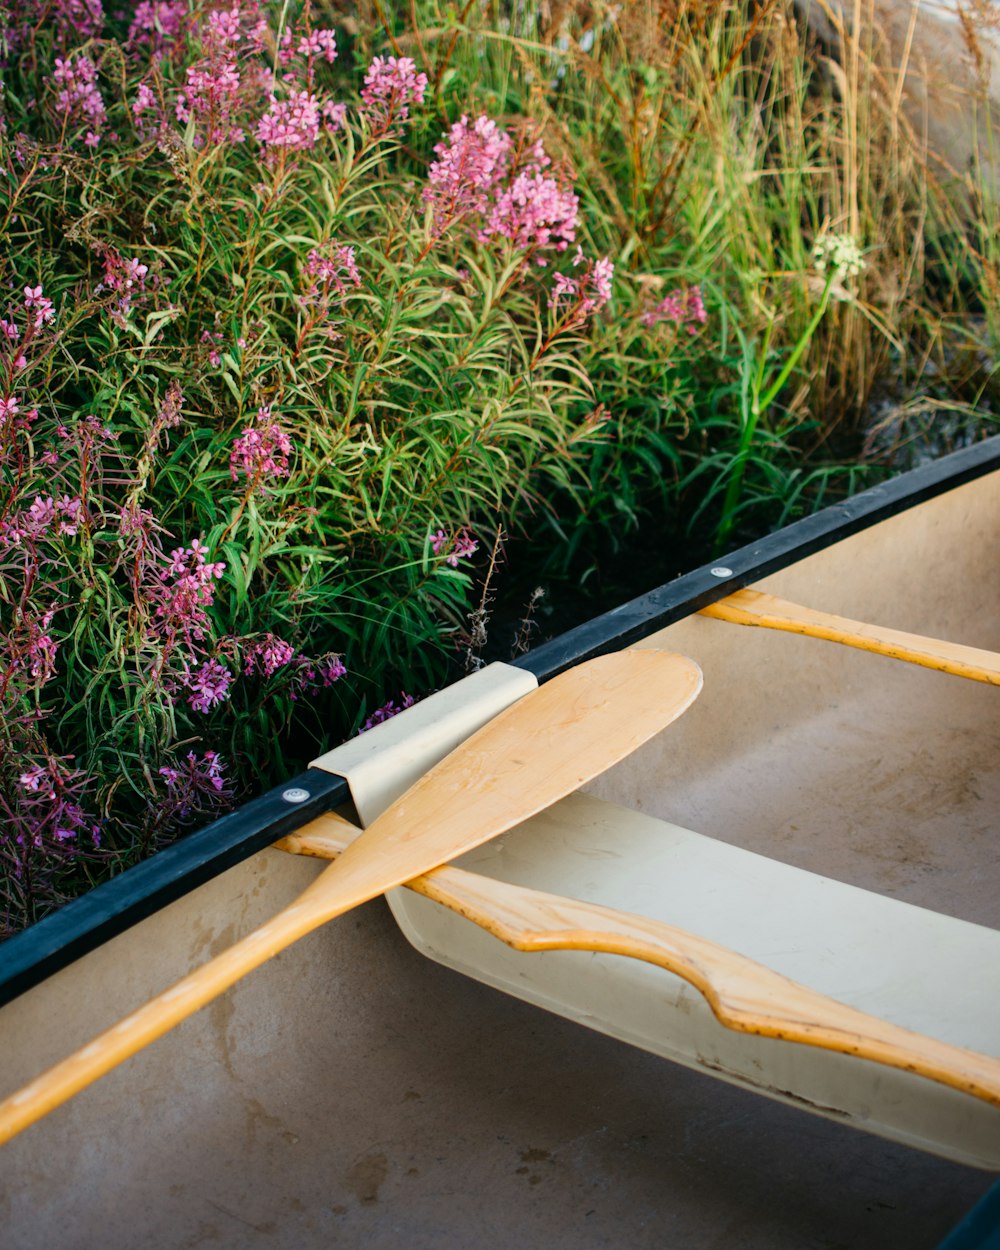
(541, 748)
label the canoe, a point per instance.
(823, 812)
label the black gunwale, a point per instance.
(108, 910)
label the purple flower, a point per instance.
(266, 655)
(195, 785)
(387, 711)
(80, 98)
(459, 547)
(208, 685)
(157, 24)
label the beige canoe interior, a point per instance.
(353, 1093)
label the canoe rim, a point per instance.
(87, 922)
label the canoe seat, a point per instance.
(923, 971)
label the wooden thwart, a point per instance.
(743, 994)
(537, 751)
(752, 607)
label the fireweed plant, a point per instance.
(276, 346)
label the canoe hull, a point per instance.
(353, 1093)
(861, 769)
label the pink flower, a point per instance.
(334, 115)
(292, 124)
(267, 655)
(682, 308)
(208, 685)
(36, 303)
(217, 92)
(470, 165)
(313, 45)
(32, 779)
(123, 277)
(261, 451)
(585, 295)
(80, 98)
(535, 211)
(182, 592)
(459, 547)
(391, 85)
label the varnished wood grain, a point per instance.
(752, 607)
(537, 751)
(743, 994)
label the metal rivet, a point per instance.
(721, 571)
(295, 795)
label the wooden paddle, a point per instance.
(537, 751)
(743, 995)
(752, 607)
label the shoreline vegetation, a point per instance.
(343, 347)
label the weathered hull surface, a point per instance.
(351, 1092)
(856, 767)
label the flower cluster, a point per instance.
(195, 786)
(269, 654)
(266, 655)
(28, 649)
(79, 98)
(387, 711)
(78, 20)
(261, 451)
(392, 84)
(579, 298)
(182, 592)
(475, 159)
(681, 308)
(167, 417)
(207, 771)
(333, 270)
(513, 194)
(207, 685)
(292, 125)
(311, 676)
(535, 211)
(302, 49)
(459, 546)
(38, 306)
(50, 809)
(46, 518)
(157, 25)
(839, 255)
(226, 81)
(124, 279)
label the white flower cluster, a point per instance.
(840, 253)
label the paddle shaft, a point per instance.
(752, 607)
(537, 751)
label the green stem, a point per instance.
(758, 405)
